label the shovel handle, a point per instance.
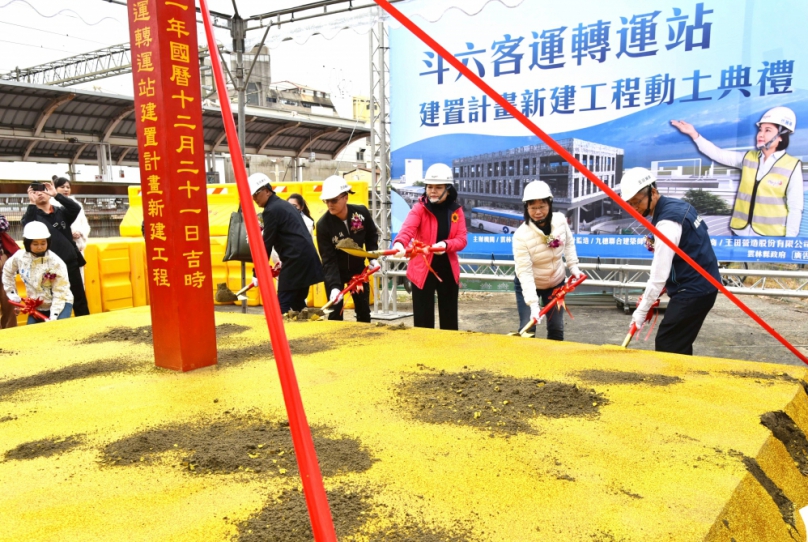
(631, 331)
(415, 251)
(527, 327)
(355, 281)
(244, 290)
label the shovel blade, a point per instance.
(242, 297)
(360, 253)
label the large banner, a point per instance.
(605, 79)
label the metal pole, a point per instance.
(374, 211)
(237, 32)
(383, 158)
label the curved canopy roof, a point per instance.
(58, 125)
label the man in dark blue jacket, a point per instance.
(691, 295)
(285, 231)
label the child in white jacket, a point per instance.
(43, 273)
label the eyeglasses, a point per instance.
(332, 201)
(635, 204)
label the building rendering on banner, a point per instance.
(496, 180)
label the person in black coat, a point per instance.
(344, 221)
(58, 220)
(285, 231)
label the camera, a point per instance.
(38, 187)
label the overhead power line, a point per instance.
(38, 46)
(51, 32)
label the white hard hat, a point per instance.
(537, 190)
(439, 174)
(333, 186)
(35, 230)
(634, 180)
(258, 180)
(781, 116)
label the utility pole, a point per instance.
(237, 33)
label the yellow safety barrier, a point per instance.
(22, 319)
(219, 268)
(114, 272)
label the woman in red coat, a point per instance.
(438, 220)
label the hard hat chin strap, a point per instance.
(445, 191)
(648, 205)
(780, 131)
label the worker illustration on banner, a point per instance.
(769, 202)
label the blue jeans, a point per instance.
(62, 315)
(554, 319)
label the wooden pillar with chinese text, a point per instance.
(168, 110)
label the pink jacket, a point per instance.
(422, 225)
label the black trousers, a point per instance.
(293, 299)
(80, 307)
(361, 307)
(423, 302)
(682, 323)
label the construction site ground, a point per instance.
(422, 435)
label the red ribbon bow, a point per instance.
(29, 306)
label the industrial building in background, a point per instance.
(496, 180)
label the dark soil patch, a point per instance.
(783, 503)
(793, 438)
(143, 334)
(300, 346)
(243, 354)
(43, 448)
(238, 443)
(391, 327)
(499, 403)
(308, 314)
(311, 345)
(762, 376)
(286, 519)
(414, 530)
(224, 331)
(65, 374)
(620, 377)
(134, 335)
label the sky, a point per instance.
(34, 32)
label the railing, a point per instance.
(104, 212)
(620, 277)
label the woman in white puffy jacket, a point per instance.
(540, 247)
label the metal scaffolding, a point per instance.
(99, 64)
(378, 39)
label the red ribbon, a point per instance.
(356, 282)
(29, 306)
(557, 297)
(418, 248)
